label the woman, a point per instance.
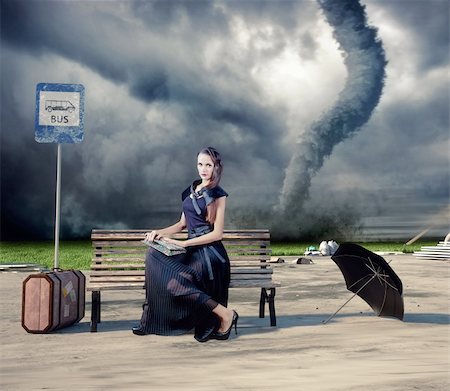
(190, 290)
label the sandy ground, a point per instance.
(355, 351)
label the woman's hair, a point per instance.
(215, 179)
(218, 168)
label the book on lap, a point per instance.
(166, 248)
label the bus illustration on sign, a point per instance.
(59, 105)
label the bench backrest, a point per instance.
(119, 256)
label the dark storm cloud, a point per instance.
(211, 17)
(430, 21)
(70, 29)
(100, 40)
(218, 108)
(204, 15)
(164, 78)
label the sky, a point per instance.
(252, 78)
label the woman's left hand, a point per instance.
(180, 243)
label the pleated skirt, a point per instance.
(179, 290)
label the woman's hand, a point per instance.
(180, 243)
(152, 236)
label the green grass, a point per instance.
(78, 254)
(72, 254)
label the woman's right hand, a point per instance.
(152, 236)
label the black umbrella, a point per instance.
(369, 276)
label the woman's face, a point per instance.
(205, 166)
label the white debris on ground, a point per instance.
(22, 267)
(441, 251)
(326, 248)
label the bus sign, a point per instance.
(59, 113)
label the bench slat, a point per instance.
(253, 284)
(142, 272)
(118, 259)
(96, 280)
(101, 251)
(111, 287)
(96, 232)
(112, 267)
(233, 264)
(115, 250)
(126, 280)
(100, 230)
(139, 285)
(139, 235)
(142, 259)
(118, 279)
(135, 243)
(225, 239)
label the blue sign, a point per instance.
(59, 113)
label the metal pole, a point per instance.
(417, 236)
(58, 207)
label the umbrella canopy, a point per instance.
(369, 276)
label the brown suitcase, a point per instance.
(53, 300)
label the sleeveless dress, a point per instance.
(182, 290)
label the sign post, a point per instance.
(59, 119)
(58, 207)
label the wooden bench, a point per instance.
(119, 263)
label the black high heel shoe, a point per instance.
(224, 336)
(138, 330)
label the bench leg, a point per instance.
(95, 310)
(269, 298)
(273, 318)
(99, 306)
(262, 302)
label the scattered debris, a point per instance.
(303, 261)
(312, 253)
(441, 251)
(328, 248)
(325, 248)
(22, 267)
